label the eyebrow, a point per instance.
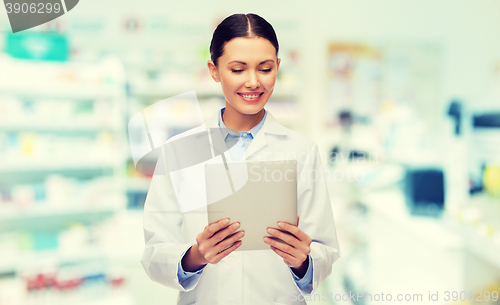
(244, 63)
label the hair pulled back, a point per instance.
(241, 25)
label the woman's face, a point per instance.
(247, 72)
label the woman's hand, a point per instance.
(295, 249)
(211, 245)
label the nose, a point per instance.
(253, 81)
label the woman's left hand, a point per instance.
(295, 249)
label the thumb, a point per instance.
(298, 219)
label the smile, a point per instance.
(251, 97)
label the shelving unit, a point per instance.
(49, 219)
(63, 148)
(444, 253)
(50, 258)
(20, 165)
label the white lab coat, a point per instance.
(243, 277)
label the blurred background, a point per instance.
(402, 97)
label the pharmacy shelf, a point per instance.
(51, 219)
(120, 298)
(86, 138)
(445, 232)
(15, 166)
(68, 80)
(477, 223)
(74, 91)
(124, 299)
(52, 258)
(481, 246)
(70, 126)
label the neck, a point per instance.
(239, 121)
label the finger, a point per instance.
(217, 258)
(229, 241)
(298, 220)
(222, 234)
(282, 246)
(301, 235)
(211, 229)
(286, 237)
(287, 258)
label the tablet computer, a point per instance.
(257, 194)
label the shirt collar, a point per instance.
(271, 125)
(228, 132)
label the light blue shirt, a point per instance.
(238, 145)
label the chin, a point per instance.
(249, 109)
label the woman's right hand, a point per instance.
(211, 245)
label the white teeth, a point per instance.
(250, 96)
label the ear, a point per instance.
(278, 65)
(213, 71)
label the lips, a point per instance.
(252, 97)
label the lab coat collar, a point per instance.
(271, 126)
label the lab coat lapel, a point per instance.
(257, 144)
(271, 127)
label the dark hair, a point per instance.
(241, 25)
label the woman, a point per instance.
(184, 252)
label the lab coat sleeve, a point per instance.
(316, 219)
(162, 232)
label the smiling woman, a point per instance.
(244, 52)
(183, 250)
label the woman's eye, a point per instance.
(237, 71)
(266, 70)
